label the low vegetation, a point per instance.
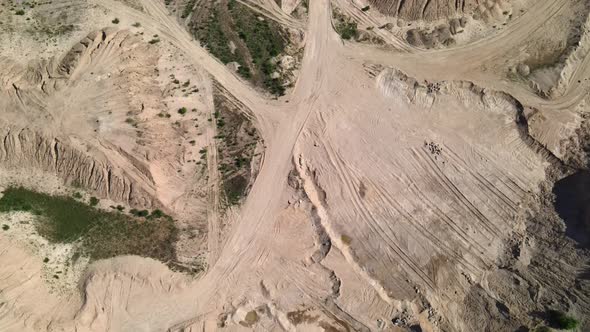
(347, 29)
(232, 32)
(237, 139)
(96, 233)
(345, 26)
(188, 8)
(264, 42)
(560, 320)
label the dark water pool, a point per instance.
(572, 203)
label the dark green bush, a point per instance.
(93, 201)
(560, 320)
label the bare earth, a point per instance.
(398, 188)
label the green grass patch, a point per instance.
(234, 189)
(347, 29)
(264, 41)
(345, 26)
(258, 40)
(101, 234)
(188, 8)
(560, 320)
(214, 38)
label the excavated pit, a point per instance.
(572, 203)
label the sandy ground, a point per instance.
(383, 201)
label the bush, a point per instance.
(182, 111)
(115, 21)
(5, 227)
(45, 260)
(94, 201)
(20, 12)
(560, 320)
(347, 30)
(138, 213)
(157, 213)
(136, 25)
(366, 8)
(77, 195)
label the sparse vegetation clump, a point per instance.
(93, 201)
(115, 21)
(97, 233)
(345, 26)
(264, 42)
(19, 12)
(235, 149)
(560, 320)
(259, 41)
(347, 29)
(188, 8)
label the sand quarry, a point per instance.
(403, 182)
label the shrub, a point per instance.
(120, 207)
(560, 320)
(366, 8)
(157, 213)
(115, 21)
(77, 195)
(138, 213)
(182, 111)
(154, 41)
(19, 12)
(136, 25)
(93, 201)
(45, 260)
(5, 227)
(347, 30)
